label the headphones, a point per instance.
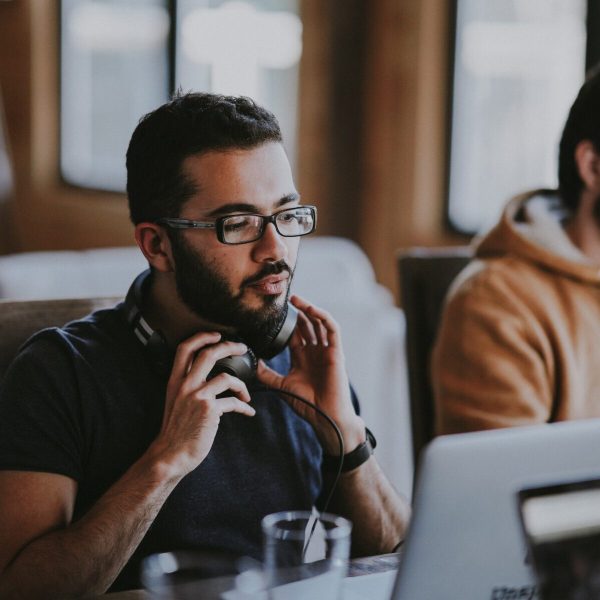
(242, 367)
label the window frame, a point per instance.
(171, 7)
(592, 57)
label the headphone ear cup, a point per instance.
(282, 338)
(243, 367)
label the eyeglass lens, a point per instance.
(247, 228)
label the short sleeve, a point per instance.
(40, 411)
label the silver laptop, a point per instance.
(465, 540)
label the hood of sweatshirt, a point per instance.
(531, 227)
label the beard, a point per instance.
(206, 292)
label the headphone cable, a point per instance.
(340, 441)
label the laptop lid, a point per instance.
(465, 540)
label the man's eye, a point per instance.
(237, 223)
(288, 217)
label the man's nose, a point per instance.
(271, 246)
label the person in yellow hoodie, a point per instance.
(519, 340)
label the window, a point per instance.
(518, 65)
(123, 58)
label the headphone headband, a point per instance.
(152, 340)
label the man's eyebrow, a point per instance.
(233, 207)
(288, 199)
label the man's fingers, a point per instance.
(196, 357)
(205, 360)
(321, 332)
(186, 351)
(231, 404)
(267, 376)
(296, 341)
(306, 329)
(224, 382)
(324, 326)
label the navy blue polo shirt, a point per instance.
(86, 400)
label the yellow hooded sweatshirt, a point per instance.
(519, 340)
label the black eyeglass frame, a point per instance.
(218, 224)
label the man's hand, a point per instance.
(192, 408)
(318, 374)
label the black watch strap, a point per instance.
(353, 459)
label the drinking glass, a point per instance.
(305, 555)
(189, 575)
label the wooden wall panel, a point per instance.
(45, 213)
(331, 111)
(405, 145)
(373, 135)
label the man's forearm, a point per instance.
(379, 514)
(86, 557)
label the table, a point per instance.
(213, 588)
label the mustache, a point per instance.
(269, 269)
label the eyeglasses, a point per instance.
(245, 228)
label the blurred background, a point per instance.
(408, 122)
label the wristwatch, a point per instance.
(353, 459)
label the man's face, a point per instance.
(244, 286)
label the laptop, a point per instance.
(465, 541)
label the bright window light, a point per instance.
(114, 69)
(518, 67)
(118, 62)
(236, 40)
(249, 48)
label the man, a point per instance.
(518, 342)
(118, 438)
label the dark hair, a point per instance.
(189, 124)
(583, 123)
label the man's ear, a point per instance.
(155, 245)
(588, 165)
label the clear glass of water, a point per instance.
(189, 575)
(305, 554)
